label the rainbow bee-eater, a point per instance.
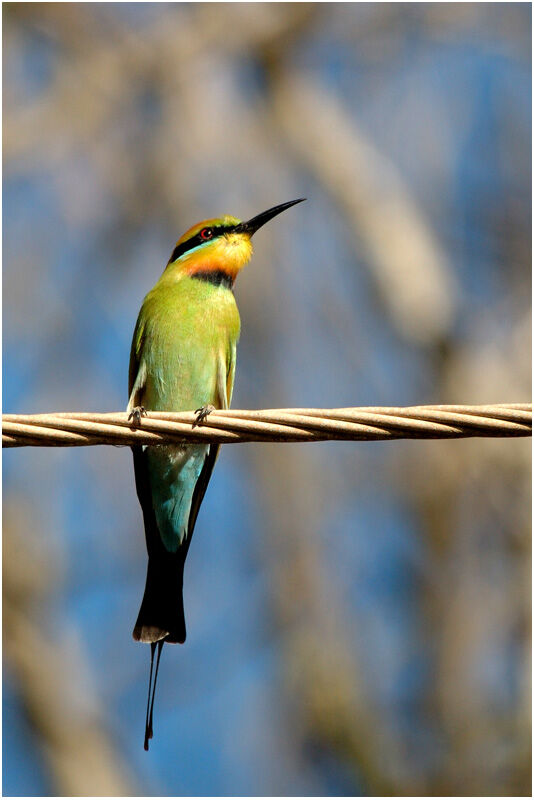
(183, 358)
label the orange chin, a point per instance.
(227, 254)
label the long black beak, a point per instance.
(252, 225)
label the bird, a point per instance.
(183, 358)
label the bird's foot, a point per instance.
(202, 413)
(136, 414)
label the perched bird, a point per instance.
(183, 358)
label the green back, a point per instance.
(185, 336)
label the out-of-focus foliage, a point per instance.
(358, 614)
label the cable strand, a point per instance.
(370, 423)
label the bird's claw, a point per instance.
(136, 414)
(202, 413)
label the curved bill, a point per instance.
(252, 225)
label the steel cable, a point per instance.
(68, 429)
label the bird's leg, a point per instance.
(202, 413)
(136, 414)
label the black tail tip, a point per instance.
(150, 634)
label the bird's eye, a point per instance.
(206, 233)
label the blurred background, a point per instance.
(358, 613)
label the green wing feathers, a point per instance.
(182, 357)
(185, 333)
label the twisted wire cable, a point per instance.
(68, 429)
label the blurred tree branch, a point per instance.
(50, 676)
(407, 264)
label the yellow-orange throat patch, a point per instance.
(227, 253)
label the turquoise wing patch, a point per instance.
(174, 472)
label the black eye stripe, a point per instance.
(194, 241)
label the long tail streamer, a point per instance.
(149, 732)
